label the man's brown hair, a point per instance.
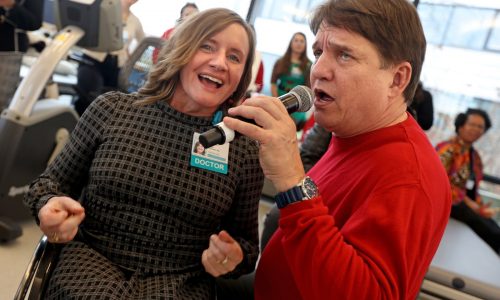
(392, 26)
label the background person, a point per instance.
(187, 10)
(17, 17)
(290, 70)
(148, 224)
(338, 228)
(97, 70)
(422, 108)
(257, 81)
(465, 171)
(316, 140)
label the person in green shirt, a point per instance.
(290, 70)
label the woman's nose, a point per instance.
(218, 61)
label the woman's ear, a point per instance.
(400, 79)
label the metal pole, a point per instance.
(250, 10)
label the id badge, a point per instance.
(469, 185)
(213, 159)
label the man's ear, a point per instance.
(401, 78)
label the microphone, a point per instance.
(299, 99)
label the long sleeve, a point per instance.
(242, 221)
(359, 253)
(453, 161)
(259, 80)
(27, 16)
(68, 173)
(383, 206)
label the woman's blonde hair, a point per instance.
(183, 45)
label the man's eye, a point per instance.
(344, 56)
(317, 53)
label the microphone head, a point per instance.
(305, 97)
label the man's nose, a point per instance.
(322, 69)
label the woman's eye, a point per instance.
(206, 47)
(234, 58)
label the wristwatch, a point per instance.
(304, 190)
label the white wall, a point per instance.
(159, 15)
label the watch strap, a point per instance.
(290, 196)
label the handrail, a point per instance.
(31, 86)
(491, 179)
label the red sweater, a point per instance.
(384, 205)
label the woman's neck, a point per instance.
(295, 57)
(466, 144)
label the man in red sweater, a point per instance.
(367, 220)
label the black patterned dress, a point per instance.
(149, 214)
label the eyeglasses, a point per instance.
(475, 125)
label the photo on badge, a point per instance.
(213, 159)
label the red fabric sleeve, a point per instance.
(308, 125)
(368, 258)
(164, 36)
(259, 80)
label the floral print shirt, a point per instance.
(455, 157)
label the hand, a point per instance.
(279, 152)
(486, 211)
(60, 218)
(472, 204)
(223, 254)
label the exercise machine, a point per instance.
(464, 267)
(33, 131)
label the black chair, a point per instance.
(38, 272)
(134, 73)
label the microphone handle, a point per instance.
(220, 134)
(290, 102)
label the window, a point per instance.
(434, 19)
(469, 27)
(494, 40)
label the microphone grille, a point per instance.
(305, 97)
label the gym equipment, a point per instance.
(33, 131)
(464, 267)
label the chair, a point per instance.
(134, 73)
(38, 272)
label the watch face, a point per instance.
(309, 188)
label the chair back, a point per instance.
(40, 267)
(135, 72)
